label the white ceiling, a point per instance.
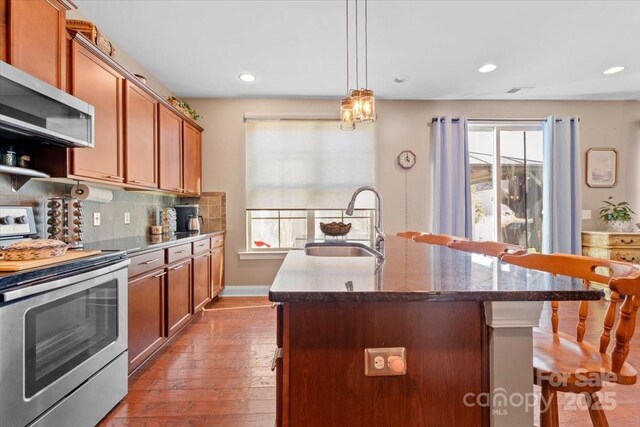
(297, 48)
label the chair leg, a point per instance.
(549, 408)
(598, 418)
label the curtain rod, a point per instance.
(455, 119)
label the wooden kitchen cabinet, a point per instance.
(179, 285)
(217, 271)
(192, 160)
(170, 150)
(146, 317)
(201, 281)
(97, 83)
(140, 137)
(33, 38)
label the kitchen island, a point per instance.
(465, 321)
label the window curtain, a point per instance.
(450, 177)
(561, 185)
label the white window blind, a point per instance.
(307, 164)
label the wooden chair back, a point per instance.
(436, 239)
(409, 234)
(495, 249)
(622, 278)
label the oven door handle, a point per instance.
(29, 290)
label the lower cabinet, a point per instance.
(178, 296)
(146, 317)
(164, 297)
(217, 269)
(201, 280)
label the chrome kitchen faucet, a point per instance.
(379, 242)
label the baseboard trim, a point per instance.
(245, 291)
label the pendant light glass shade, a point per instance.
(356, 95)
(368, 106)
(347, 120)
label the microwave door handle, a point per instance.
(29, 290)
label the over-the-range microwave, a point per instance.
(33, 110)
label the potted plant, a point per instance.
(616, 215)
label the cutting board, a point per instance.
(35, 263)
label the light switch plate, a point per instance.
(373, 367)
(586, 214)
(127, 218)
(96, 219)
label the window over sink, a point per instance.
(300, 172)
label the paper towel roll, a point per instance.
(91, 194)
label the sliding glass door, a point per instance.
(506, 183)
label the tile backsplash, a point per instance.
(142, 207)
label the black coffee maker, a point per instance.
(188, 218)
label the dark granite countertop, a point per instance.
(135, 244)
(418, 272)
(58, 271)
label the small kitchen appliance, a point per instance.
(188, 218)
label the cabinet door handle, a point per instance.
(627, 241)
(159, 275)
(276, 355)
(150, 261)
(178, 267)
(179, 252)
(275, 304)
(113, 177)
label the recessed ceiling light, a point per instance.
(401, 79)
(487, 68)
(247, 77)
(613, 70)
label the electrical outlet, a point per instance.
(96, 219)
(127, 218)
(383, 362)
(586, 214)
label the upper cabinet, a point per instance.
(170, 147)
(99, 84)
(140, 141)
(33, 38)
(192, 163)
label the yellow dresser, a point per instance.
(623, 246)
(611, 245)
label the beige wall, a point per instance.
(401, 125)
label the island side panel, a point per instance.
(324, 382)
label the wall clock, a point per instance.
(407, 159)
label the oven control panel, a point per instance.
(16, 221)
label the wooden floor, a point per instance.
(216, 372)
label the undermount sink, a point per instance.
(338, 250)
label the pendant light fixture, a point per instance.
(359, 105)
(347, 119)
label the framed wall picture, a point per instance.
(602, 167)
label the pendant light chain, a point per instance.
(347, 32)
(366, 44)
(357, 60)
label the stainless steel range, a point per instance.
(63, 338)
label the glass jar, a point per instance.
(9, 157)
